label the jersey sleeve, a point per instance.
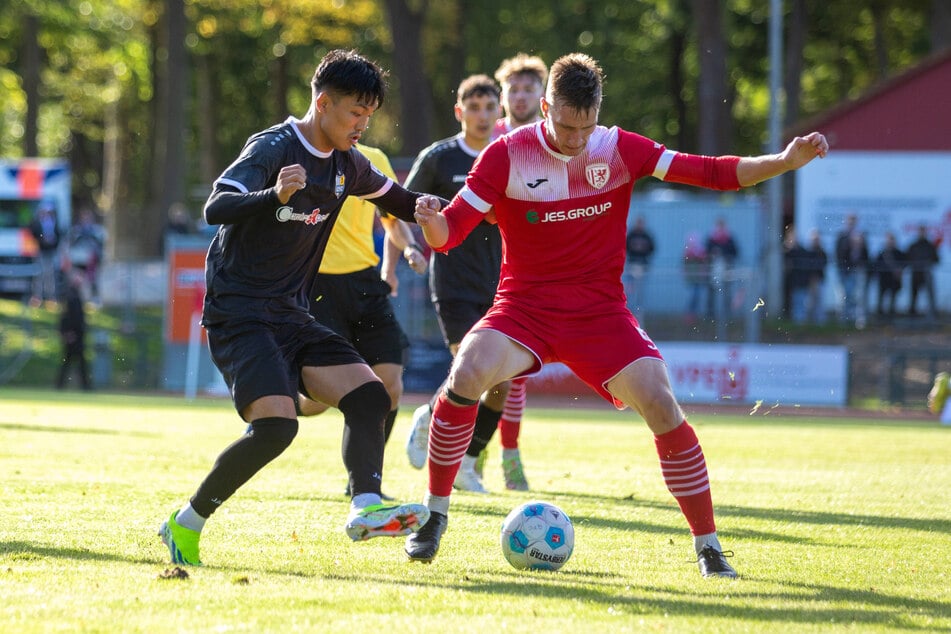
(382, 163)
(257, 166)
(649, 158)
(485, 186)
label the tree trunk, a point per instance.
(31, 83)
(678, 48)
(715, 126)
(416, 111)
(206, 105)
(169, 178)
(792, 69)
(940, 25)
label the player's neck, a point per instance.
(309, 127)
(477, 144)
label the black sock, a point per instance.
(487, 421)
(364, 410)
(388, 425)
(265, 440)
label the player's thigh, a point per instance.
(644, 386)
(486, 358)
(329, 384)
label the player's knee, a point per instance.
(274, 435)
(368, 403)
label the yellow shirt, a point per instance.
(350, 247)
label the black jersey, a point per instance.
(276, 254)
(469, 272)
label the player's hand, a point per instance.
(291, 179)
(416, 260)
(803, 149)
(427, 208)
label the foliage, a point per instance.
(249, 65)
(837, 525)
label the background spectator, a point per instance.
(922, 257)
(796, 266)
(86, 241)
(889, 268)
(697, 275)
(721, 256)
(639, 247)
(851, 256)
(72, 331)
(817, 262)
(46, 232)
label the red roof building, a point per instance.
(909, 112)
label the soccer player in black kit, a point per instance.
(462, 285)
(274, 207)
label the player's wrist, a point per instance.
(410, 249)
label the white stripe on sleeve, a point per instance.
(470, 197)
(386, 187)
(663, 164)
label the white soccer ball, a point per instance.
(537, 536)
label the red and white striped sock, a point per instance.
(685, 473)
(450, 432)
(511, 422)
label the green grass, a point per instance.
(837, 525)
(30, 346)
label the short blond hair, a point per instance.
(522, 64)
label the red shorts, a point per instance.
(596, 343)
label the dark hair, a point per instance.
(345, 73)
(522, 64)
(576, 81)
(477, 85)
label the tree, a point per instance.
(406, 26)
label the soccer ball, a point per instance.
(537, 536)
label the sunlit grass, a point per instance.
(836, 525)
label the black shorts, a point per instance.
(262, 355)
(457, 317)
(357, 306)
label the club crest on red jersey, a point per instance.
(597, 174)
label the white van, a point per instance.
(24, 184)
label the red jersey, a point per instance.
(563, 219)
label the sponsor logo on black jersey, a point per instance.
(286, 214)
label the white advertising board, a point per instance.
(734, 373)
(789, 375)
(887, 191)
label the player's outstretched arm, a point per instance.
(800, 151)
(433, 224)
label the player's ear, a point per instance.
(457, 109)
(322, 101)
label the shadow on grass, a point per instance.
(75, 430)
(824, 604)
(27, 551)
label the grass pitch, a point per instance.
(837, 525)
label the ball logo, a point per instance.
(284, 213)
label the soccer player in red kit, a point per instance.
(559, 191)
